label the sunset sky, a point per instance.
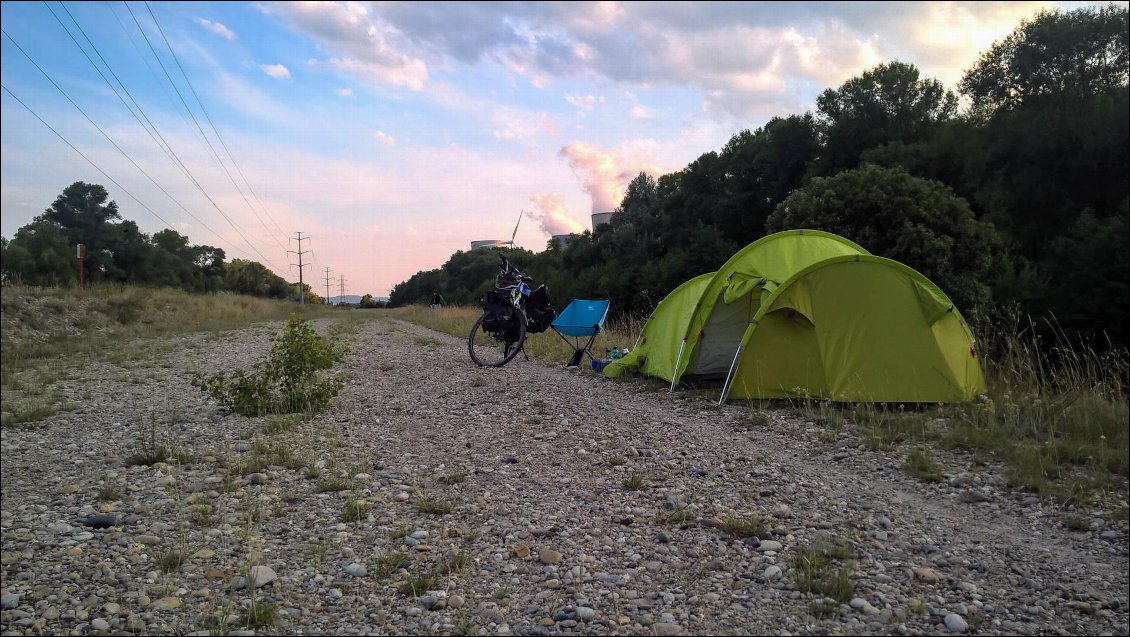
(394, 134)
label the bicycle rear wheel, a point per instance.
(495, 349)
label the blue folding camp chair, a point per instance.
(581, 318)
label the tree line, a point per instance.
(43, 253)
(1018, 199)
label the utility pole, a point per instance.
(342, 297)
(300, 252)
(328, 286)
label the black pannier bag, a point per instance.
(539, 311)
(498, 313)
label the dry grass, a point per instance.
(44, 324)
(546, 347)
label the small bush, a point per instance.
(419, 585)
(289, 381)
(388, 563)
(327, 485)
(171, 561)
(634, 482)
(745, 527)
(433, 506)
(454, 563)
(820, 569)
(920, 464)
(356, 510)
(159, 453)
(260, 613)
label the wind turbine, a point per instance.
(515, 233)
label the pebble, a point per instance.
(260, 576)
(927, 575)
(956, 623)
(356, 570)
(549, 556)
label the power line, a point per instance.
(89, 161)
(169, 152)
(209, 118)
(137, 50)
(107, 136)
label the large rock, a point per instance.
(260, 576)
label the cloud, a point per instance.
(360, 43)
(642, 113)
(583, 102)
(605, 174)
(548, 126)
(277, 71)
(344, 92)
(384, 138)
(217, 28)
(551, 215)
(744, 58)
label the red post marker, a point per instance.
(81, 271)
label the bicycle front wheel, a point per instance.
(495, 349)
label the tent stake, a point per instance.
(678, 359)
(726, 385)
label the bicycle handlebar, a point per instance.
(508, 267)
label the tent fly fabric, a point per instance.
(809, 314)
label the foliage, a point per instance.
(43, 253)
(288, 381)
(914, 221)
(1057, 56)
(890, 102)
(824, 568)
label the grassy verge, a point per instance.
(46, 334)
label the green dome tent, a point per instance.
(805, 313)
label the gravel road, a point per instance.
(499, 501)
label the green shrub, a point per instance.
(287, 382)
(824, 568)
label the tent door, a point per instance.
(723, 334)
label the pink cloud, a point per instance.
(551, 215)
(605, 174)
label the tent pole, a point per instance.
(678, 359)
(730, 375)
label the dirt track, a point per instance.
(544, 536)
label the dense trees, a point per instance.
(1021, 199)
(914, 221)
(44, 252)
(1057, 57)
(887, 103)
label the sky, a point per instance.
(390, 135)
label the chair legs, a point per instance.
(578, 356)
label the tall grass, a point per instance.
(48, 323)
(1055, 415)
